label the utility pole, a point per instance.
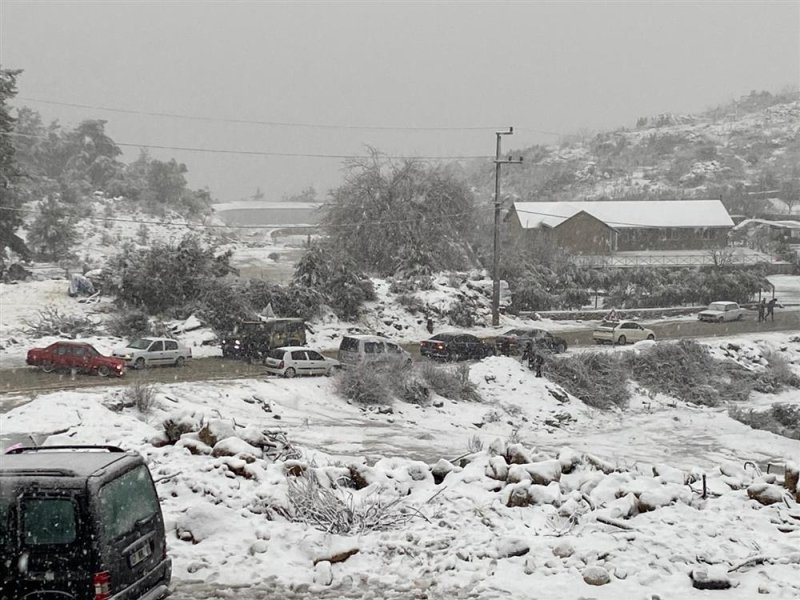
(496, 258)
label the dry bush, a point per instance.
(686, 371)
(364, 385)
(599, 379)
(140, 394)
(338, 511)
(51, 321)
(776, 376)
(474, 444)
(781, 418)
(449, 382)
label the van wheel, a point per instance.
(139, 363)
(103, 371)
(651, 337)
(180, 361)
(289, 373)
(622, 340)
(48, 367)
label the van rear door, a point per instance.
(131, 532)
(51, 553)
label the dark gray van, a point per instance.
(80, 523)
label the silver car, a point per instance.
(149, 352)
(290, 361)
(362, 349)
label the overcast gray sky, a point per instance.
(542, 67)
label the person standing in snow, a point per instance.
(535, 362)
(771, 309)
(429, 325)
(762, 307)
(527, 352)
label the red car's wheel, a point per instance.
(103, 371)
(48, 367)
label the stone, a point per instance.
(544, 472)
(441, 469)
(339, 550)
(516, 454)
(763, 588)
(259, 547)
(765, 493)
(620, 573)
(497, 468)
(714, 577)
(519, 497)
(517, 473)
(323, 574)
(791, 480)
(596, 575)
(214, 431)
(545, 494)
(509, 547)
(233, 446)
(564, 549)
(497, 447)
(530, 565)
(569, 459)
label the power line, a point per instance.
(186, 117)
(265, 153)
(226, 226)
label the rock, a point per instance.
(160, 440)
(214, 431)
(569, 459)
(238, 466)
(714, 577)
(765, 493)
(564, 549)
(669, 474)
(530, 565)
(295, 468)
(497, 468)
(596, 575)
(438, 403)
(508, 547)
(545, 494)
(258, 547)
(441, 469)
(418, 471)
(255, 437)
(544, 472)
(497, 448)
(516, 454)
(232, 446)
(191, 442)
(177, 424)
(337, 555)
(620, 573)
(763, 588)
(661, 496)
(519, 496)
(518, 473)
(323, 574)
(600, 464)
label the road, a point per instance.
(28, 380)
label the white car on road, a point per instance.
(290, 361)
(621, 332)
(150, 352)
(717, 312)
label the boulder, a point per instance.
(191, 442)
(519, 496)
(214, 431)
(791, 480)
(714, 577)
(497, 468)
(258, 547)
(564, 549)
(765, 493)
(544, 472)
(596, 575)
(669, 474)
(497, 447)
(233, 446)
(518, 473)
(545, 494)
(508, 547)
(441, 469)
(517, 454)
(569, 459)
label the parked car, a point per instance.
(299, 360)
(149, 352)
(372, 349)
(80, 522)
(252, 340)
(717, 312)
(455, 346)
(75, 355)
(514, 341)
(621, 332)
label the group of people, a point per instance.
(534, 357)
(767, 309)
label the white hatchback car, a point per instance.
(621, 332)
(149, 352)
(290, 361)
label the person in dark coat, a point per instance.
(771, 309)
(536, 362)
(762, 309)
(429, 325)
(527, 352)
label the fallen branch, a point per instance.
(614, 523)
(752, 561)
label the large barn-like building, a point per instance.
(606, 227)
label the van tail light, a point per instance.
(280, 366)
(102, 585)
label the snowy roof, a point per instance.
(781, 224)
(621, 214)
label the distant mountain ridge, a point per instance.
(745, 152)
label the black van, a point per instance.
(80, 523)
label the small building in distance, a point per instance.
(607, 227)
(276, 214)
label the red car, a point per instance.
(75, 355)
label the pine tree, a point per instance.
(10, 219)
(53, 233)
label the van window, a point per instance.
(277, 353)
(48, 521)
(349, 344)
(373, 347)
(170, 345)
(298, 355)
(157, 347)
(126, 500)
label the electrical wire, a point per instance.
(264, 153)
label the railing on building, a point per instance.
(669, 260)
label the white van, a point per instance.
(361, 349)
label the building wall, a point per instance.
(585, 234)
(678, 238)
(270, 216)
